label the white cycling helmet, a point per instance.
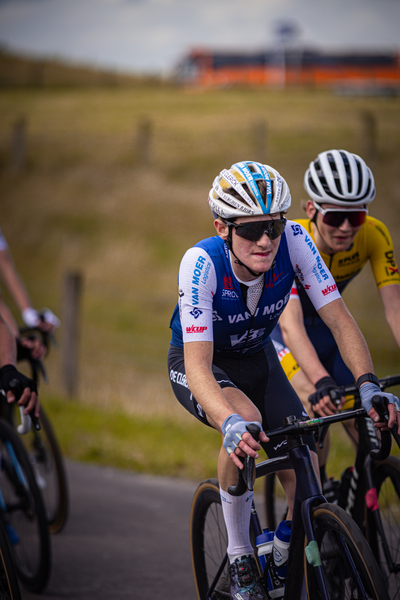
(341, 178)
(235, 192)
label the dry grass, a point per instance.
(87, 201)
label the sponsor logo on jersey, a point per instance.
(392, 268)
(227, 282)
(196, 279)
(196, 312)
(216, 316)
(306, 287)
(297, 229)
(275, 278)
(349, 260)
(298, 273)
(249, 336)
(321, 269)
(228, 291)
(383, 234)
(277, 307)
(196, 329)
(311, 244)
(329, 289)
(178, 377)
(272, 310)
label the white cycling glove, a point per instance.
(233, 428)
(32, 318)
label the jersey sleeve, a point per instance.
(381, 253)
(197, 286)
(310, 269)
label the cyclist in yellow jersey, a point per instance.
(341, 187)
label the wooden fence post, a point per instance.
(260, 132)
(370, 134)
(70, 331)
(18, 145)
(143, 140)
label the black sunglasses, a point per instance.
(254, 230)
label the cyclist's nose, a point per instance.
(346, 226)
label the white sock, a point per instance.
(237, 511)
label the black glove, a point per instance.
(326, 386)
(9, 374)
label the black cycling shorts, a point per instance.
(260, 376)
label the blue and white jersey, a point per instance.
(211, 306)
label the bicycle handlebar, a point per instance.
(294, 428)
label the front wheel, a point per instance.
(386, 546)
(208, 542)
(48, 466)
(349, 568)
(22, 512)
(9, 587)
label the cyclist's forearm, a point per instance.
(8, 317)
(390, 296)
(351, 343)
(13, 281)
(8, 347)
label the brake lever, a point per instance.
(336, 397)
(245, 475)
(383, 452)
(16, 388)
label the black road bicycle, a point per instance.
(327, 549)
(369, 491)
(22, 512)
(9, 587)
(43, 449)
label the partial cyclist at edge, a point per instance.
(44, 320)
(340, 186)
(223, 366)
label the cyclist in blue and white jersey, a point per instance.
(223, 367)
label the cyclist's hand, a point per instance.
(29, 397)
(238, 441)
(367, 392)
(327, 397)
(36, 348)
(45, 320)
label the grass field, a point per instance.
(92, 200)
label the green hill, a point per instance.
(115, 186)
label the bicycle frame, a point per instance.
(307, 495)
(361, 490)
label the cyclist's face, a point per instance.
(332, 239)
(259, 255)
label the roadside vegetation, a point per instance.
(115, 187)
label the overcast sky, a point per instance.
(152, 35)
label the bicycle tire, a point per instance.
(346, 558)
(386, 478)
(9, 587)
(208, 540)
(23, 513)
(48, 465)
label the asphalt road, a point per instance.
(127, 537)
